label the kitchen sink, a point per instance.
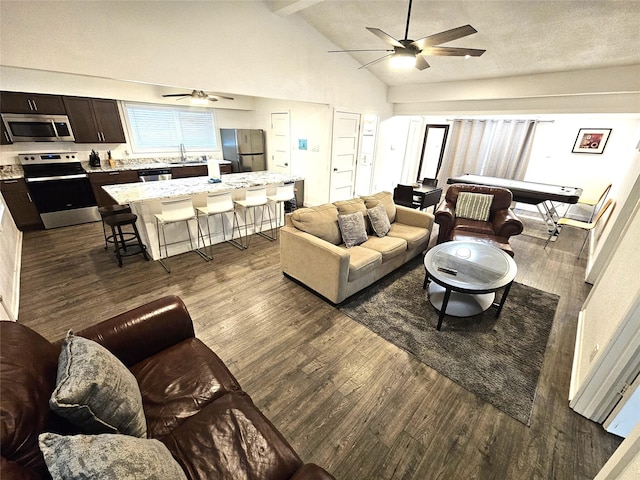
(194, 162)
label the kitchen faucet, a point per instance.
(183, 154)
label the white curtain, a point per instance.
(495, 148)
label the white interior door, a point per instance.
(364, 170)
(281, 143)
(344, 153)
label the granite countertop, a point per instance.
(143, 163)
(10, 172)
(141, 191)
(13, 171)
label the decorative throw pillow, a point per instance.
(474, 206)
(386, 198)
(379, 220)
(116, 457)
(352, 229)
(95, 391)
(345, 207)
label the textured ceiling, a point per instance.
(520, 37)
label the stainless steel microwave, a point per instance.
(37, 128)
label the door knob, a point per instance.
(335, 169)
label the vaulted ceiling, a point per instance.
(520, 37)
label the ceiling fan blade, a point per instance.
(444, 37)
(361, 50)
(177, 95)
(421, 62)
(452, 51)
(385, 36)
(218, 97)
(376, 61)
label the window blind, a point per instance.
(161, 128)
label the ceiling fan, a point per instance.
(198, 97)
(409, 53)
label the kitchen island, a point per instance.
(145, 200)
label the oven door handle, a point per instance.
(60, 177)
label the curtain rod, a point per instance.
(490, 119)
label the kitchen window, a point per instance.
(159, 128)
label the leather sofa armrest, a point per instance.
(146, 330)
(14, 471)
(311, 471)
(445, 216)
(506, 223)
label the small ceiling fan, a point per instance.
(409, 53)
(198, 97)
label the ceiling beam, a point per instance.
(289, 7)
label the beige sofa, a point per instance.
(312, 250)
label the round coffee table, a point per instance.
(465, 276)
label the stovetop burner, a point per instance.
(56, 169)
(50, 164)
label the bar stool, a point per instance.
(256, 197)
(175, 211)
(107, 211)
(284, 193)
(220, 204)
(125, 243)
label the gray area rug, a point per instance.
(499, 360)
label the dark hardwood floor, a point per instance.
(344, 397)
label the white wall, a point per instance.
(238, 47)
(311, 121)
(552, 160)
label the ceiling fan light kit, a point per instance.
(403, 60)
(409, 53)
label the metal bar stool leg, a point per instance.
(116, 245)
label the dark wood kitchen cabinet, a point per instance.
(23, 210)
(189, 171)
(99, 179)
(94, 120)
(18, 102)
(196, 171)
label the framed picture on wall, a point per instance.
(591, 140)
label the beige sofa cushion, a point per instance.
(389, 247)
(320, 221)
(386, 199)
(345, 207)
(414, 236)
(362, 261)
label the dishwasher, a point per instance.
(154, 174)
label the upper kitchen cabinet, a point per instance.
(17, 102)
(94, 120)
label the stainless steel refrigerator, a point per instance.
(244, 148)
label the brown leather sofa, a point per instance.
(502, 223)
(192, 402)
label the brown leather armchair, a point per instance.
(502, 223)
(192, 402)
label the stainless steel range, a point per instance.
(60, 188)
